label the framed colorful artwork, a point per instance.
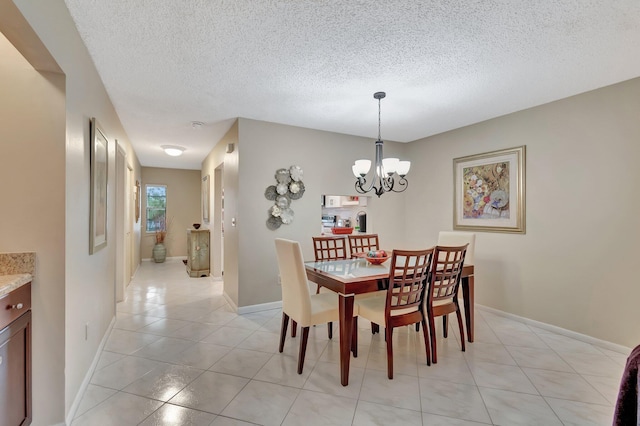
(489, 191)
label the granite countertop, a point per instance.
(8, 283)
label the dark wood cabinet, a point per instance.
(15, 357)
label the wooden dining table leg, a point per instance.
(468, 297)
(345, 306)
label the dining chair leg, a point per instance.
(459, 315)
(303, 348)
(354, 337)
(388, 334)
(330, 330)
(283, 331)
(427, 344)
(432, 338)
(445, 326)
(294, 328)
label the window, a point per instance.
(156, 207)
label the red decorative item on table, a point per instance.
(341, 230)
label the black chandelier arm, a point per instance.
(360, 186)
(402, 183)
(386, 184)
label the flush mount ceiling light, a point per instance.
(386, 170)
(173, 150)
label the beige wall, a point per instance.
(326, 160)
(222, 169)
(574, 266)
(32, 212)
(581, 155)
(183, 208)
(79, 290)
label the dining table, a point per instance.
(358, 276)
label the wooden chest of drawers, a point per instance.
(198, 252)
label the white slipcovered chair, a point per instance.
(297, 303)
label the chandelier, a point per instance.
(388, 173)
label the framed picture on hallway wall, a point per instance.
(489, 191)
(205, 199)
(136, 200)
(99, 166)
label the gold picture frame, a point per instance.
(205, 199)
(136, 200)
(99, 168)
(489, 191)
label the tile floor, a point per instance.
(178, 355)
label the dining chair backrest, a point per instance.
(407, 281)
(296, 301)
(445, 272)
(455, 238)
(330, 248)
(363, 243)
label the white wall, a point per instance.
(574, 266)
(80, 288)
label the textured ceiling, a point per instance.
(444, 64)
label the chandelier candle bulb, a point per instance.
(403, 168)
(390, 165)
(361, 168)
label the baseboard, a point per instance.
(134, 273)
(149, 259)
(259, 308)
(251, 308)
(558, 330)
(230, 301)
(87, 378)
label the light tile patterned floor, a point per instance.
(178, 355)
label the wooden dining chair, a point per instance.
(457, 238)
(442, 294)
(363, 243)
(452, 239)
(360, 244)
(330, 248)
(327, 248)
(403, 301)
(297, 303)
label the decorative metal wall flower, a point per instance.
(289, 186)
